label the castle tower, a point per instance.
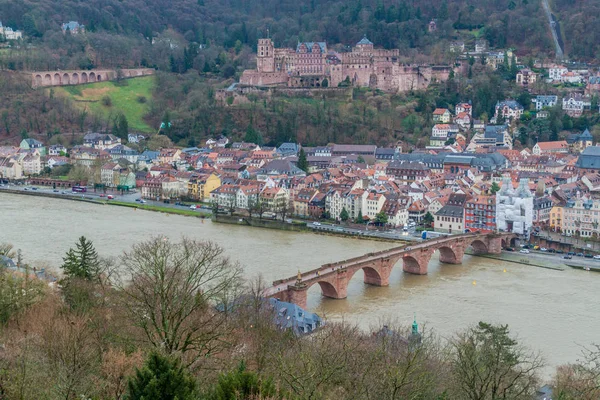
(265, 56)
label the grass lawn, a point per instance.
(168, 210)
(124, 98)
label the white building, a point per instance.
(514, 208)
(542, 101)
(373, 204)
(9, 34)
(576, 104)
(556, 73)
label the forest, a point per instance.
(114, 25)
(174, 320)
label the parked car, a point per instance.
(524, 251)
(55, 190)
(579, 254)
(138, 199)
(568, 257)
(316, 223)
(193, 207)
(143, 201)
(110, 197)
(588, 256)
(559, 252)
(597, 257)
(536, 247)
(551, 250)
(571, 253)
(33, 188)
(527, 246)
(543, 249)
(102, 195)
(509, 249)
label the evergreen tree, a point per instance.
(82, 262)
(162, 378)
(428, 219)
(381, 218)
(359, 217)
(242, 384)
(253, 136)
(494, 188)
(302, 161)
(344, 215)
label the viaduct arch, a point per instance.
(76, 77)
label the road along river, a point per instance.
(554, 312)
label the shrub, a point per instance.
(142, 99)
(107, 101)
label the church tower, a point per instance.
(265, 56)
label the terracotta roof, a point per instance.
(562, 144)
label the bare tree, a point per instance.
(283, 207)
(232, 204)
(581, 380)
(172, 290)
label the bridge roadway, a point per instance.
(334, 277)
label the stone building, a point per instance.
(312, 65)
(514, 208)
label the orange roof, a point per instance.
(440, 111)
(561, 144)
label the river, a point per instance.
(553, 312)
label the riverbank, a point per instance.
(297, 226)
(519, 259)
(137, 206)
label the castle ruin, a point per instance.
(312, 65)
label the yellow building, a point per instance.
(556, 218)
(199, 187)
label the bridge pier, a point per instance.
(297, 294)
(379, 273)
(453, 254)
(416, 261)
(495, 245)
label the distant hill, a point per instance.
(390, 24)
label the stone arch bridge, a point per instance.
(63, 78)
(333, 278)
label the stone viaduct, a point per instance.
(62, 78)
(334, 278)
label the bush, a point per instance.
(142, 99)
(107, 101)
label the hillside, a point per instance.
(119, 31)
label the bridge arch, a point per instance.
(38, 80)
(327, 289)
(92, 77)
(75, 78)
(479, 247)
(413, 266)
(57, 79)
(449, 255)
(84, 77)
(371, 276)
(65, 79)
(47, 79)
(99, 78)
